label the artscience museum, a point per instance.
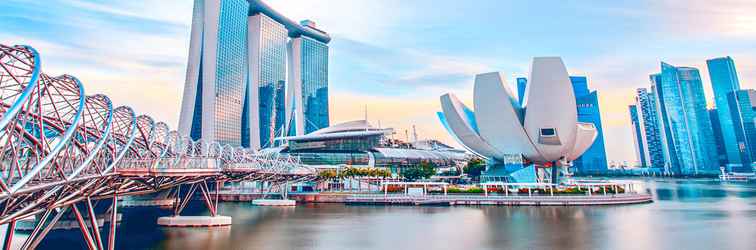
(533, 141)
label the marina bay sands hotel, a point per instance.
(253, 75)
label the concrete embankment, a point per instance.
(512, 200)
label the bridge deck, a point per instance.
(169, 172)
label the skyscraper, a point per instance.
(522, 83)
(235, 90)
(593, 161)
(645, 102)
(216, 77)
(638, 140)
(308, 109)
(721, 154)
(267, 71)
(691, 137)
(724, 81)
(742, 103)
(670, 157)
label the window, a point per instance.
(548, 132)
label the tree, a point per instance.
(429, 169)
(475, 167)
(423, 170)
(412, 174)
(327, 174)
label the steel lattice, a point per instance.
(59, 146)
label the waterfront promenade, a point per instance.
(523, 194)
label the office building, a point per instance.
(638, 140)
(742, 103)
(724, 81)
(593, 161)
(649, 130)
(689, 135)
(718, 141)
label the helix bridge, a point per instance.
(63, 149)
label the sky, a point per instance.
(395, 58)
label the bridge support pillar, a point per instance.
(9, 232)
(211, 202)
(113, 222)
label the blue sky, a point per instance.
(397, 57)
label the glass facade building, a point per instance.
(670, 157)
(522, 83)
(645, 102)
(593, 161)
(724, 81)
(231, 74)
(733, 111)
(742, 104)
(721, 154)
(690, 132)
(640, 147)
(235, 92)
(270, 76)
(217, 68)
(314, 84)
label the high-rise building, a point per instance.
(522, 83)
(267, 71)
(638, 140)
(670, 157)
(687, 125)
(721, 154)
(308, 73)
(724, 81)
(742, 103)
(236, 83)
(648, 130)
(593, 161)
(216, 77)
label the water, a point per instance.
(686, 214)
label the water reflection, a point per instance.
(687, 214)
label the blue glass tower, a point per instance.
(593, 161)
(665, 133)
(650, 138)
(522, 83)
(724, 81)
(716, 127)
(742, 104)
(690, 133)
(640, 149)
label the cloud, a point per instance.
(399, 56)
(394, 71)
(400, 113)
(118, 49)
(702, 18)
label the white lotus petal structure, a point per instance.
(544, 129)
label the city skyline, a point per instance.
(142, 59)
